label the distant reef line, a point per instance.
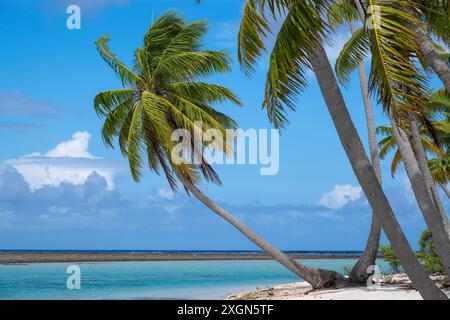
(21, 257)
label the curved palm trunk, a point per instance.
(431, 215)
(359, 272)
(318, 278)
(423, 165)
(367, 177)
(432, 57)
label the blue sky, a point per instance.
(73, 193)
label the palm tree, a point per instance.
(388, 144)
(434, 136)
(161, 95)
(299, 47)
(339, 13)
(432, 19)
(401, 90)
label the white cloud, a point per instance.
(166, 194)
(70, 161)
(77, 147)
(340, 196)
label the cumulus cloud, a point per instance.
(69, 161)
(77, 147)
(340, 196)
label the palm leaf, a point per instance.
(352, 55)
(340, 11)
(127, 76)
(394, 75)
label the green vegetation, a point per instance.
(427, 255)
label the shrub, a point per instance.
(388, 254)
(427, 255)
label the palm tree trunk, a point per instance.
(432, 57)
(359, 272)
(445, 189)
(318, 278)
(367, 177)
(423, 165)
(430, 213)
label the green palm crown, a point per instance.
(161, 93)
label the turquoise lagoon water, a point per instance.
(149, 280)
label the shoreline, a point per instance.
(17, 257)
(393, 287)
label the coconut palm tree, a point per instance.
(162, 94)
(298, 48)
(434, 136)
(432, 20)
(341, 13)
(401, 90)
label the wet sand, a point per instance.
(54, 257)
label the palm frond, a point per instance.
(127, 76)
(253, 30)
(115, 121)
(352, 55)
(440, 170)
(339, 12)
(394, 77)
(302, 30)
(106, 101)
(186, 39)
(135, 143)
(395, 163)
(191, 65)
(207, 92)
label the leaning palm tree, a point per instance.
(162, 94)
(401, 89)
(299, 47)
(341, 13)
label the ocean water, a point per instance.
(150, 280)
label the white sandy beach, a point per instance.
(395, 287)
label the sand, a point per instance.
(396, 287)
